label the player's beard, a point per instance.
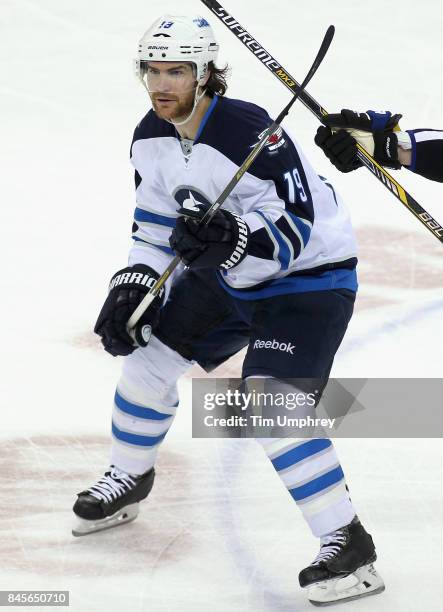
(180, 107)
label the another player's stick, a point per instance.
(298, 90)
(283, 75)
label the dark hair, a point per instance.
(217, 81)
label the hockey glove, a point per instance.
(127, 289)
(222, 243)
(373, 131)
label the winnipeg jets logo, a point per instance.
(191, 203)
(188, 197)
(275, 141)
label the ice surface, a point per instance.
(218, 532)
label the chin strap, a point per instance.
(197, 99)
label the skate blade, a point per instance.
(363, 582)
(125, 515)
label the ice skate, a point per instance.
(112, 501)
(343, 569)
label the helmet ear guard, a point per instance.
(204, 72)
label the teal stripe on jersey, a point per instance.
(303, 228)
(284, 254)
(165, 249)
(149, 217)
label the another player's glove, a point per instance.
(373, 131)
(126, 290)
(222, 243)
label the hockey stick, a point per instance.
(271, 63)
(149, 297)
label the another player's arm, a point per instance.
(425, 156)
(404, 156)
(419, 150)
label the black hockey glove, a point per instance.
(222, 243)
(374, 131)
(126, 290)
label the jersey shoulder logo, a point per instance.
(274, 142)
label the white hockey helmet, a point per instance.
(178, 39)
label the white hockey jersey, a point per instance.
(301, 236)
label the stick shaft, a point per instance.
(290, 83)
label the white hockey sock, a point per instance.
(138, 431)
(311, 472)
(145, 404)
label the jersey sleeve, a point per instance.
(151, 226)
(427, 153)
(277, 204)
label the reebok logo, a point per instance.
(274, 345)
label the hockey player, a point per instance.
(277, 262)
(419, 150)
